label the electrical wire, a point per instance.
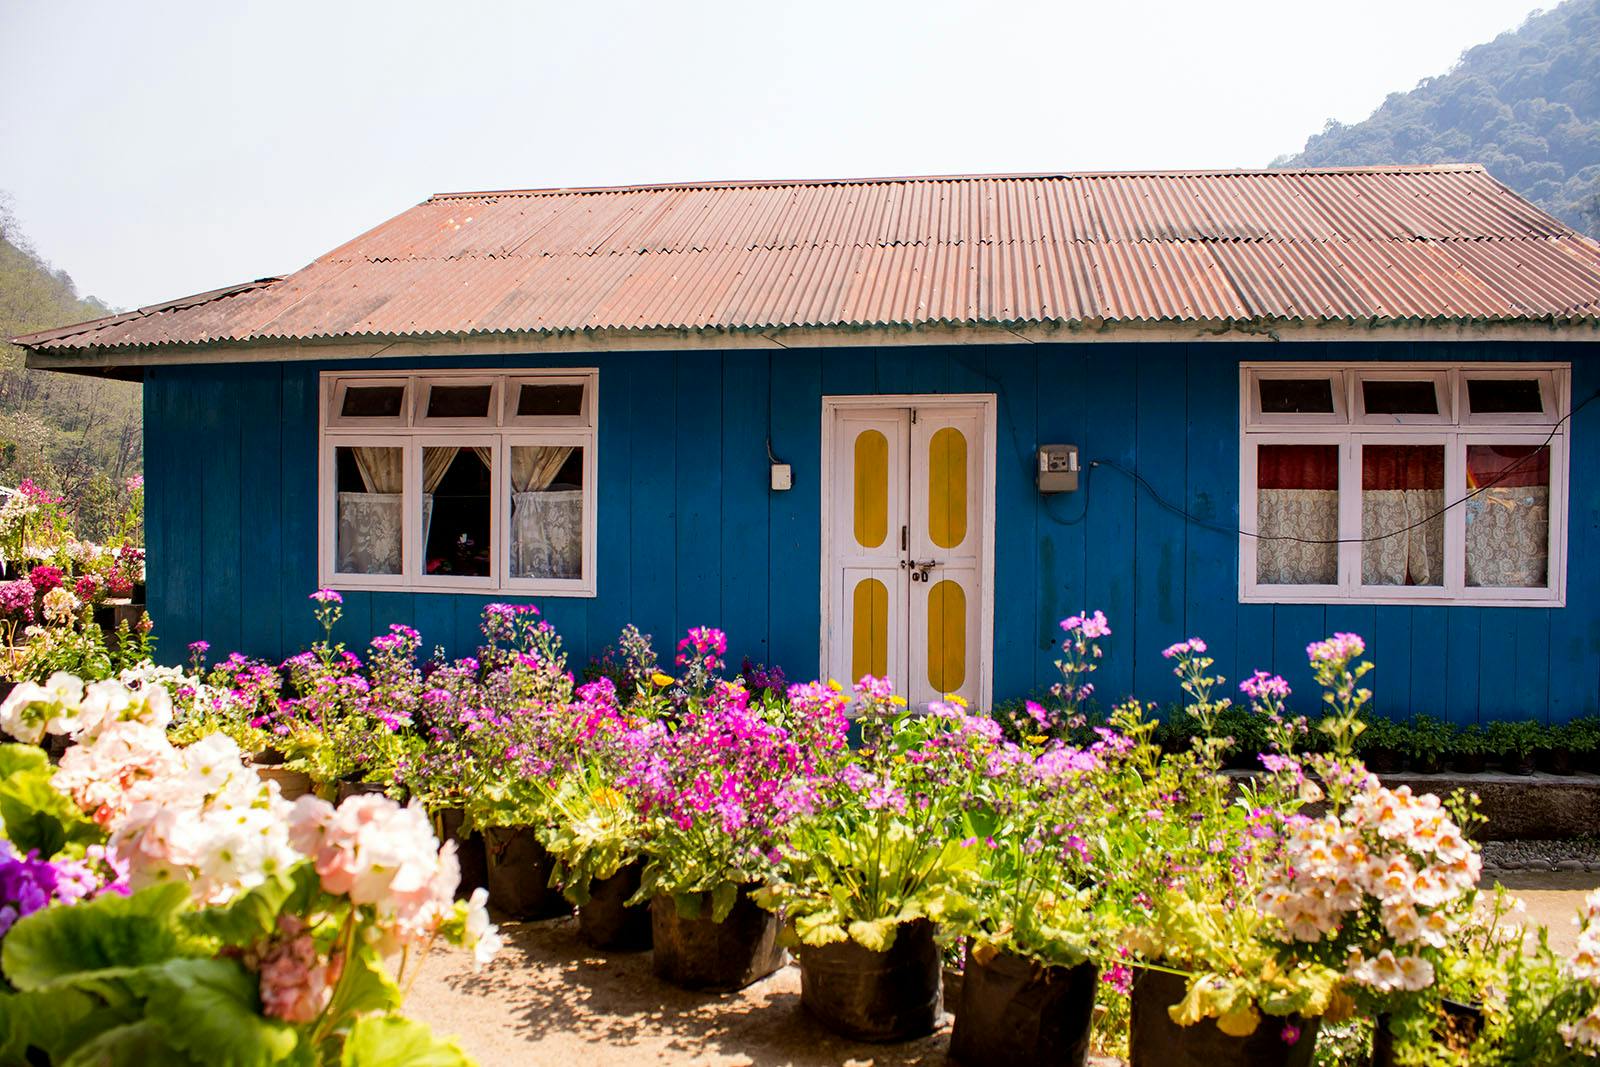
(1206, 524)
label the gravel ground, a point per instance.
(1582, 854)
(549, 999)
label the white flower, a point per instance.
(482, 935)
(60, 605)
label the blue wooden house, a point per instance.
(904, 426)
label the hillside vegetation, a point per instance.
(1526, 105)
(78, 436)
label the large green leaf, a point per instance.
(34, 814)
(395, 1041)
(53, 1022)
(101, 940)
(210, 1009)
(139, 1044)
(366, 986)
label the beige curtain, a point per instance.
(1415, 557)
(382, 468)
(535, 468)
(1508, 537)
(435, 461)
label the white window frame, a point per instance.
(1352, 429)
(336, 402)
(413, 431)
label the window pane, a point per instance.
(546, 511)
(456, 517)
(1383, 397)
(373, 401)
(1402, 520)
(1297, 514)
(459, 401)
(1503, 396)
(370, 484)
(550, 400)
(1296, 396)
(1508, 516)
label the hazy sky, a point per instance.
(159, 149)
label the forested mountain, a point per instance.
(78, 436)
(1526, 105)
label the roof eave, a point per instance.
(99, 360)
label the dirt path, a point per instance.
(549, 999)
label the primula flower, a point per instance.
(44, 578)
(326, 596)
(1192, 645)
(59, 605)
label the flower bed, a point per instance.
(1084, 869)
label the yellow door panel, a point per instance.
(869, 644)
(872, 488)
(947, 487)
(947, 636)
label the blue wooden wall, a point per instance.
(690, 534)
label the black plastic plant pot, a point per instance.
(1558, 760)
(607, 921)
(1431, 763)
(1459, 1026)
(1154, 1040)
(714, 957)
(1469, 762)
(470, 852)
(1515, 764)
(518, 872)
(1382, 761)
(1014, 1010)
(875, 996)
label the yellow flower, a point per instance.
(835, 686)
(660, 679)
(957, 701)
(1037, 739)
(900, 700)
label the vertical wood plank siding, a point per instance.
(690, 533)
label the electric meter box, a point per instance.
(1058, 468)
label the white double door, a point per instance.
(906, 561)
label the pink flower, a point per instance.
(327, 596)
(1183, 648)
(45, 578)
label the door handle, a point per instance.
(920, 568)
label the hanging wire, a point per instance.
(1206, 524)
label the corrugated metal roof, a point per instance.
(1380, 244)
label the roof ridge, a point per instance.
(1086, 175)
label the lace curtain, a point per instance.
(370, 522)
(1402, 495)
(1308, 514)
(1508, 537)
(546, 525)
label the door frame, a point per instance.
(988, 408)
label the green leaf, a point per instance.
(105, 938)
(688, 905)
(367, 986)
(875, 936)
(395, 1041)
(820, 929)
(138, 1044)
(253, 916)
(723, 898)
(34, 814)
(52, 1022)
(211, 1010)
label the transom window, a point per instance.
(1403, 483)
(459, 481)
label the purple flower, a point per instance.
(1182, 648)
(327, 596)
(1262, 685)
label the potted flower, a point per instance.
(716, 789)
(1516, 743)
(1210, 983)
(1559, 753)
(1383, 745)
(593, 831)
(1031, 915)
(1424, 742)
(872, 862)
(1469, 749)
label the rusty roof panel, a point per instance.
(1443, 243)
